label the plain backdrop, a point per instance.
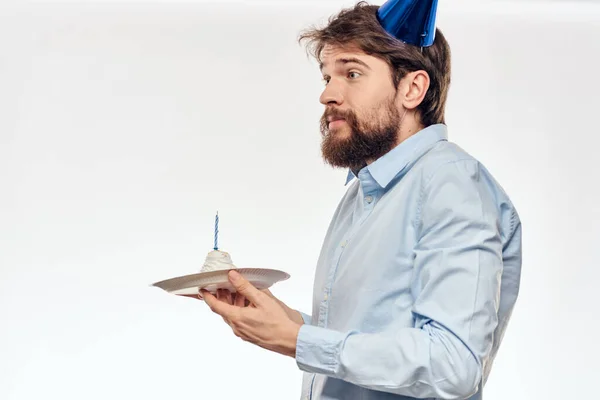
(124, 127)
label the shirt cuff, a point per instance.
(307, 318)
(317, 349)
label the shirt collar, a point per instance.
(387, 167)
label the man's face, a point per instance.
(361, 119)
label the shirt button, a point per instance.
(326, 296)
(369, 199)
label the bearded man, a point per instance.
(420, 268)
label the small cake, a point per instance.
(217, 260)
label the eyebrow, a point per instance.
(344, 61)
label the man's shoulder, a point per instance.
(442, 154)
(438, 161)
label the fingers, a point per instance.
(222, 295)
(219, 307)
(240, 300)
(242, 286)
(225, 295)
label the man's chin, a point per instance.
(341, 133)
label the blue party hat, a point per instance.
(411, 21)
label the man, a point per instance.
(420, 267)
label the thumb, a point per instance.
(244, 287)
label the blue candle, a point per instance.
(217, 231)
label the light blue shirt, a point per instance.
(416, 280)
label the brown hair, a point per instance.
(359, 26)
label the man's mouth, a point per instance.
(335, 121)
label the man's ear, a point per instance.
(413, 88)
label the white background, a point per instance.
(125, 126)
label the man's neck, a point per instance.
(406, 130)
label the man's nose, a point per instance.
(331, 95)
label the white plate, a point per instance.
(211, 281)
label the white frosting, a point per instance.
(217, 260)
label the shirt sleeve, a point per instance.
(457, 264)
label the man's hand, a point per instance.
(265, 322)
(291, 313)
(239, 300)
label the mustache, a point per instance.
(332, 112)
(347, 115)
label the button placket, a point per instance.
(324, 310)
(370, 186)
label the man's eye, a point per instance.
(353, 75)
(326, 80)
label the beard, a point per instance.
(368, 139)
